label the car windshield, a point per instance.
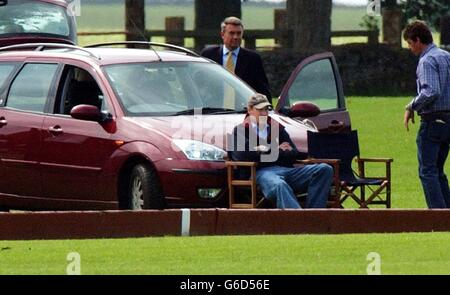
(177, 88)
(32, 17)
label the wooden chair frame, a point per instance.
(341, 191)
(363, 202)
(334, 198)
(231, 165)
(257, 199)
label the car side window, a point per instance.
(31, 87)
(78, 87)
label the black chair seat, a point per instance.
(363, 181)
(345, 148)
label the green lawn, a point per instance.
(413, 253)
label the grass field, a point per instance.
(412, 253)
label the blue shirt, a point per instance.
(262, 133)
(433, 81)
(234, 55)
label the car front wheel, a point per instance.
(144, 189)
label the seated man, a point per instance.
(260, 139)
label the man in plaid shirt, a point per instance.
(432, 104)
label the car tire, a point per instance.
(144, 189)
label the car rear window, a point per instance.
(34, 18)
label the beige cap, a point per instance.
(258, 101)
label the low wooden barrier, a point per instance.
(198, 222)
(177, 37)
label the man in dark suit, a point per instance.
(246, 64)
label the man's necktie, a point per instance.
(229, 94)
(229, 65)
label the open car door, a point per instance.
(316, 79)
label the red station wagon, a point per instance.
(108, 128)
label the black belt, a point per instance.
(444, 115)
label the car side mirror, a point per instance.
(304, 109)
(86, 112)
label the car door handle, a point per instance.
(3, 122)
(55, 130)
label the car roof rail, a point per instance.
(170, 46)
(43, 46)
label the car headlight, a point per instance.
(197, 150)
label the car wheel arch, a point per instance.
(124, 174)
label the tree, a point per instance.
(430, 11)
(310, 22)
(135, 20)
(208, 16)
(392, 23)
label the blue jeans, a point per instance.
(432, 150)
(279, 184)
